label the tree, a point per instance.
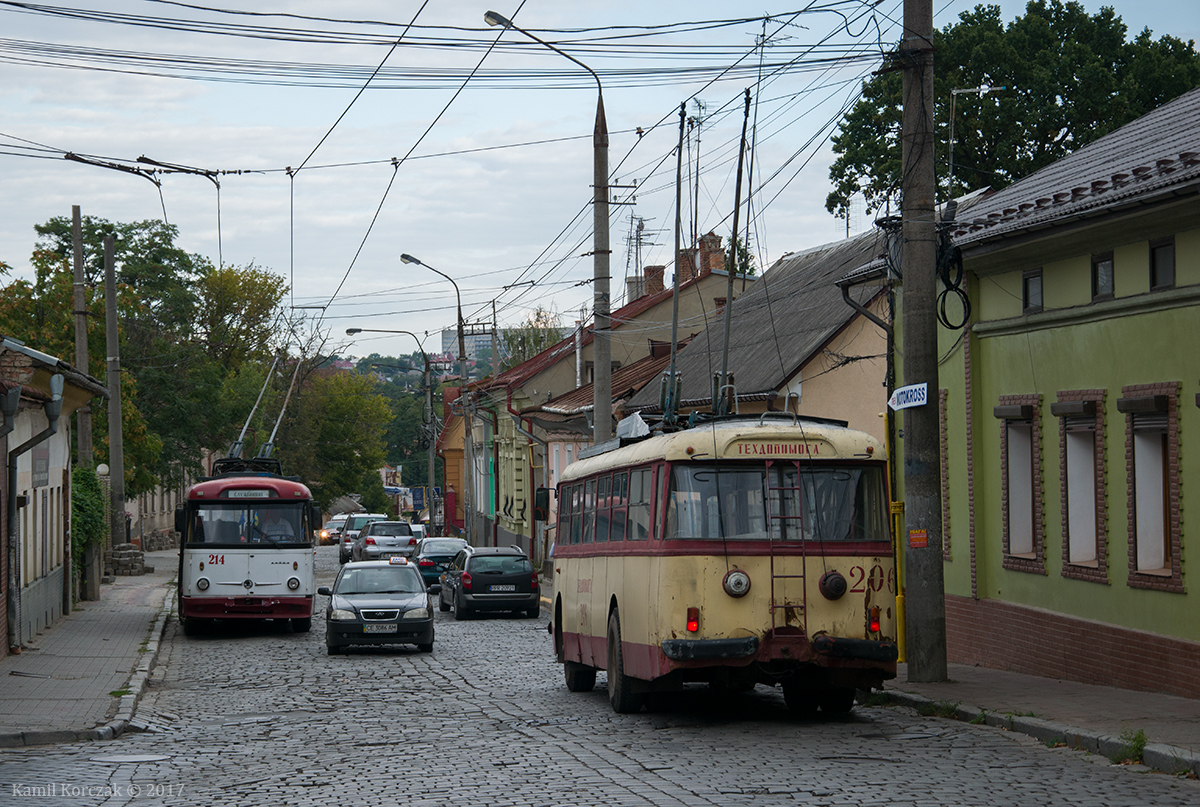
(540, 330)
(334, 433)
(238, 313)
(1070, 78)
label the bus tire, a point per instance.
(621, 696)
(579, 677)
(837, 700)
(302, 625)
(190, 625)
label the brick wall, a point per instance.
(1004, 636)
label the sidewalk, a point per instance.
(1099, 719)
(81, 678)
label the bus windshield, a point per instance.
(788, 501)
(238, 523)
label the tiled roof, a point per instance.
(1157, 154)
(778, 325)
(516, 376)
(626, 381)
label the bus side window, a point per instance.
(603, 508)
(576, 512)
(564, 516)
(620, 506)
(639, 505)
(589, 510)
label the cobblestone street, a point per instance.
(258, 715)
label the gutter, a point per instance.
(10, 404)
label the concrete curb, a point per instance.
(124, 720)
(1158, 756)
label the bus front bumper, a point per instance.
(246, 607)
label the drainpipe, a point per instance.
(52, 408)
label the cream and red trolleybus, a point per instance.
(247, 546)
(739, 552)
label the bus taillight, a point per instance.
(466, 581)
(874, 623)
(693, 620)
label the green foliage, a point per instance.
(373, 497)
(1070, 77)
(334, 433)
(1133, 746)
(938, 709)
(540, 330)
(87, 511)
(745, 261)
(175, 311)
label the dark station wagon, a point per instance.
(490, 578)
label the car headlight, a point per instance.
(340, 614)
(418, 613)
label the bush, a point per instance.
(87, 511)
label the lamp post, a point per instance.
(462, 349)
(602, 351)
(429, 421)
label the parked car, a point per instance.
(433, 555)
(332, 530)
(378, 602)
(350, 530)
(381, 540)
(490, 578)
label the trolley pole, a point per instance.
(924, 587)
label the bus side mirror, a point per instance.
(314, 516)
(541, 504)
(180, 520)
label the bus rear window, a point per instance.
(791, 502)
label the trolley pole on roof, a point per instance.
(924, 590)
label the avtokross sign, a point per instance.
(904, 397)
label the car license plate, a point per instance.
(502, 588)
(379, 628)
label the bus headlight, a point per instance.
(293, 583)
(202, 584)
(736, 583)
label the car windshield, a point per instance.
(500, 565)
(380, 580)
(441, 547)
(390, 529)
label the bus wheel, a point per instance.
(190, 625)
(302, 625)
(620, 686)
(579, 677)
(837, 700)
(800, 698)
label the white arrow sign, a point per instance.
(904, 397)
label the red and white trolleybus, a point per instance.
(247, 546)
(738, 552)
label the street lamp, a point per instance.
(602, 352)
(429, 420)
(462, 349)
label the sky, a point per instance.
(328, 171)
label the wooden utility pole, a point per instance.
(83, 416)
(925, 595)
(116, 448)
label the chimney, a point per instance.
(449, 396)
(712, 257)
(654, 279)
(635, 288)
(685, 265)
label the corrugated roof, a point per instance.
(1157, 153)
(779, 323)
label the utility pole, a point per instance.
(925, 614)
(83, 416)
(495, 344)
(116, 448)
(432, 448)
